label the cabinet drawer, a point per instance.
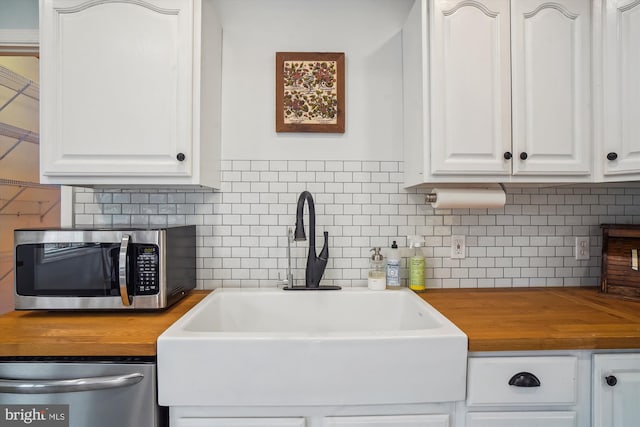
(522, 380)
(240, 422)
(434, 420)
(521, 419)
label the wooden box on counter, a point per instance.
(620, 260)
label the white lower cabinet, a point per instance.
(432, 420)
(505, 389)
(240, 422)
(509, 381)
(524, 391)
(521, 419)
(616, 390)
(437, 420)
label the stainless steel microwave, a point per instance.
(103, 269)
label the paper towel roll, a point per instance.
(475, 198)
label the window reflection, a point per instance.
(24, 203)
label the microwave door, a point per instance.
(123, 270)
(66, 269)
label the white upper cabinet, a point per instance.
(504, 91)
(130, 92)
(471, 87)
(551, 78)
(620, 148)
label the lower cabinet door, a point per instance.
(521, 419)
(616, 387)
(240, 422)
(435, 420)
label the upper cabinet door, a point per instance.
(471, 87)
(551, 54)
(117, 87)
(621, 88)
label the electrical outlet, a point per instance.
(582, 248)
(458, 247)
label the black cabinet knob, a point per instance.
(180, 157)
(523, 155)
(508, 155)
(611, 380)
(612, 156)
(524, 379)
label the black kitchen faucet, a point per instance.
(316, 264)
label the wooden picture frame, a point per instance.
(310, 92)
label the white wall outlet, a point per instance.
(458, 247)
(582, 248)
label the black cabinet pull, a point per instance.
(180, 157)
(612, 156)
(611, 380)
(523, 155)
(524, 379)
(508, 155)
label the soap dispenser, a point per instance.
(416, 264)
(393, 267)
(377, 273)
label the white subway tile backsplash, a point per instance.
(381, 177)
(335, 166)
(352, 166)
(361, 177)
(242, 229)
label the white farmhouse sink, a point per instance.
(257, 347)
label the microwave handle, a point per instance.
(122, 270)
(68, 386)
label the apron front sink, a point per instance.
(269, 347)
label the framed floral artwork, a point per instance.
(310, 92)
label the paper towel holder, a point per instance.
(433, 197)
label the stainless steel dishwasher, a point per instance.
(95, 393)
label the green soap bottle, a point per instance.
(416, 264)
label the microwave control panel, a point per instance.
(147, 270)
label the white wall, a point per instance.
(254, 30)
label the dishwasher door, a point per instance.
(98, 394)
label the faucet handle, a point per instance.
(324, 253)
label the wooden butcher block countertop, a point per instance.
(493, 319)
(43, 333)
(540, 318)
